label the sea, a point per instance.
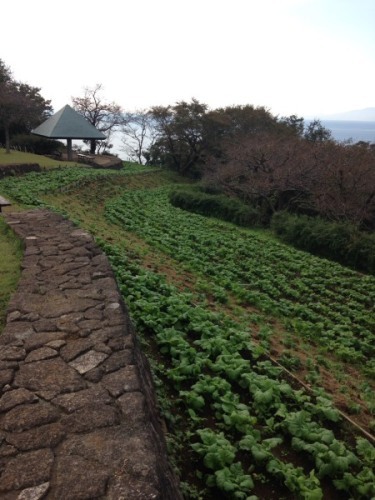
(343, 130)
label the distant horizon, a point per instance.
(340, 134)
(359, 115)
(295, 57)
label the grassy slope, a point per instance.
(19, 157)
(11, 254)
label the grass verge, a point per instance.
(15, 157)
(10, 265)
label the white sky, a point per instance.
(308, 57)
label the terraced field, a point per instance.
(258, 351)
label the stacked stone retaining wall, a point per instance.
(78, 417)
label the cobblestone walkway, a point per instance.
(77, 416)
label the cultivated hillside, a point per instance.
(261, 354)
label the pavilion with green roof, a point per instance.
(68, 124)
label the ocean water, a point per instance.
(343, 130)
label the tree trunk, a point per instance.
(7, 139)
(92, 146)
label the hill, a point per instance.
(366, 114)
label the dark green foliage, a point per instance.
(21, 106)
(315, 132)
(18, 169)
(188, 132)
(293, 124)
(37, 145)
(216, 205)
(340, 242)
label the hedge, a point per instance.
(216, 205)
(341, 242)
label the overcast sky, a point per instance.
(305, 57)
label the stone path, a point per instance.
(77, 409)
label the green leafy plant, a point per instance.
(209, 372)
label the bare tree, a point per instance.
(139, 134)
(104, 116)
(322, 177)
(345, 187)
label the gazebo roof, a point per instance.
(68, 124)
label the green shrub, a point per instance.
(36, 145)
(337, 241)
(216, 205)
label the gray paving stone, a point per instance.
(95, 375)
(44, 436)
(49, 375)
(13, 316)
(42, 353)
(30, 317)
(74, 317)
(92, 324)
(6, 377)
(34, 493)
(117, 445)
(94, 313)
(91, 417)
(74, 348)
(56, 344)
(26, 470)
(56, 305)
(77, 400)
(47, 395)
(12, 353)
(45, 325)
(70, 483)
(72, 266)
(118, 360)
(4, 365)
(20, 329)
(27, 416)
(124, 380)
(92, 292)
(7, 450)
(132, 406)
(38, 340)
(16, 397)
(88, 361)
(67, 326)
(102, 335)
(101, 347)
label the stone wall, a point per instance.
(78, 415)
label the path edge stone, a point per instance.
(168, 480)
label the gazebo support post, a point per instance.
(70, 151)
